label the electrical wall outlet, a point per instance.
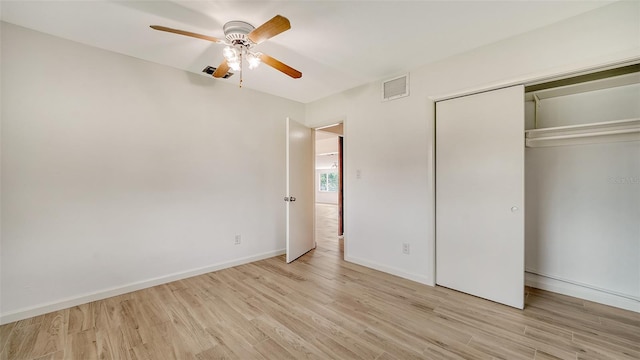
(406, 249)
(238, 239)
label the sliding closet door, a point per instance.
(480, 195)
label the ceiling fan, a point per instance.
(240, 38)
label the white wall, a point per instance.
(118, 173)
(582, 211)
(391, 143)
(326, 146)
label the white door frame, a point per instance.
(319, 126)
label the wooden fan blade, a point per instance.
(221, 70)
(269, 29)
(280, 66)
(187, 33)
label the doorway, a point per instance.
(329, 189)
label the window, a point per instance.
(329, 182)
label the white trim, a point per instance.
(431, 166)
(328, 126)
(582, 292)
(390, 270)
(287, 190)
(61, 304)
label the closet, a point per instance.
(548, 196)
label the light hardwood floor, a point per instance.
(327, 227)
(321, 307)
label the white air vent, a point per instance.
(395, 88)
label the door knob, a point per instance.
(514, 208)
(289, 198)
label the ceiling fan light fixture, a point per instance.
(230, 53)
(253, 60)
(235, 65)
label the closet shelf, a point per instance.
(572, 89)
(609, 131)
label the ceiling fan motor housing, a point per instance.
(236, 33)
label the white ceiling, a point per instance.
(326, 149)
(327, 161)
(337, 45)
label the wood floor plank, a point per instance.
(132, 325)
(454, 351)
(234, 343)
(612, 313)
(289, 340)
(82, 317)
(81, 345)
(492, 328)
(327, 323)
(552, 342)
(501, 348)
(272, 350)
(58, 355)
(193, 307)
(51, 335)
(111, 344)
(390, 346)
(616, 349)
(214, 353)
(321, 307)
(21, 341)
(541, 355)
(153, 312)
(329, 315)
(232, 319)
(321, 332)
(386, 356)
(5, 333)
(337, 350)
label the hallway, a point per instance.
(327, 228)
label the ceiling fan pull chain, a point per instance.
(241, 52)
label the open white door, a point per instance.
(480, 195)
(300, 185)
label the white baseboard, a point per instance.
(390, 270)
(6, 318)
(565, 288)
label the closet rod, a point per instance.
(590, 134)
(608, 131)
